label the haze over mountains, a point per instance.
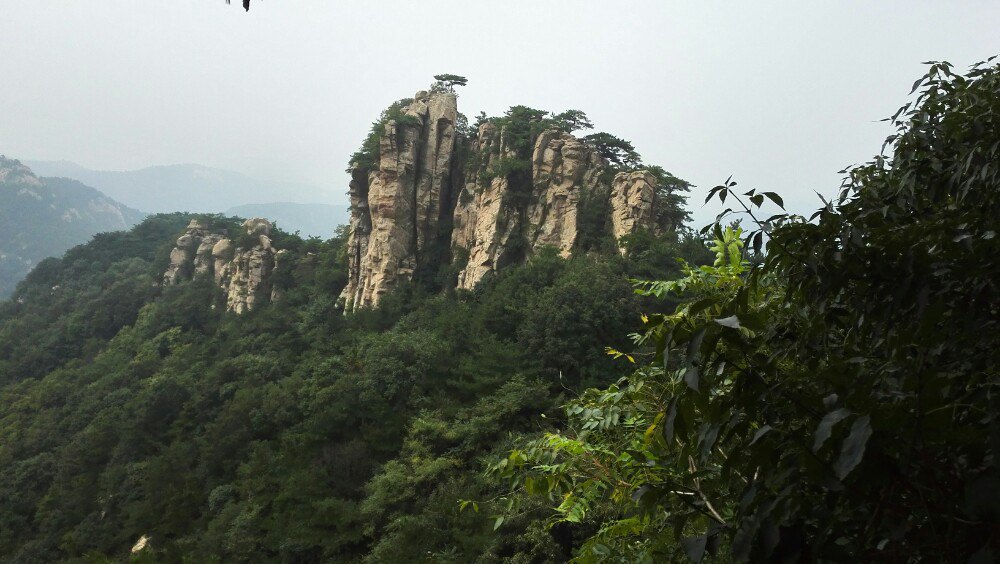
(43, 217)
(48, 207)
(310, 220)
(196, 188)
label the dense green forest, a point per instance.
(826, 390)
(293, 432)
(835, 400)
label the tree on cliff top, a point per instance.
(572, 120)
(448, 82)
(616, 150)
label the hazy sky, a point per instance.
(780, 94)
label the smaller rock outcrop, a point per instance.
(243, 273)
(633, 195)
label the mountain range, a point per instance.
(198, 188)
(309, 220)
(181, 187)
(43, 217)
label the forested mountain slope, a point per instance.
(132, 409)
(140, 400)
(471, 373)
(42, 217)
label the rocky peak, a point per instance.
(13, 172)
(399, 206)
(489, 202)
(244, 273)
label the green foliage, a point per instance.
(835, 401)
(572, 120)
(448, 82)
(670, 199)
(292, 432)
(521, 125)
(615, 150)
(366, 158)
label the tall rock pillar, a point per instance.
(396, 209)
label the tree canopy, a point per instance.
(836, 399)
(617, 151)
(448, 82)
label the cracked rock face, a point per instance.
(632, 197)
(563, 169)
(244, 275)
(490, 223)
(398, 209)
(482, 229)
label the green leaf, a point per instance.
(774, 197)
(853, 449)
(825, 427)
(668, 422)
(692, 375)
(694, 547)
(760, 433)
(498, 522)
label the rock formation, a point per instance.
(398, 208)
(563, 169)
(243, 273)
(483, 223)
(632, 198)
(490, 206)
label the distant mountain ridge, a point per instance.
(182, 187)
(310, 220)
(44, 217)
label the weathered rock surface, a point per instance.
(482, 230)
(493, 227)
(632, 198)
(488, 226)
(426, 192)
(243, 274)
(563, 168)
(397, 210)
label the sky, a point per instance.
(780, 95)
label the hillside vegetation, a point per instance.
(292, 432)
(834, 401)
(826, 390)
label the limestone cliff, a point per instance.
(397, 208)
(243, 273)
(491, 201)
